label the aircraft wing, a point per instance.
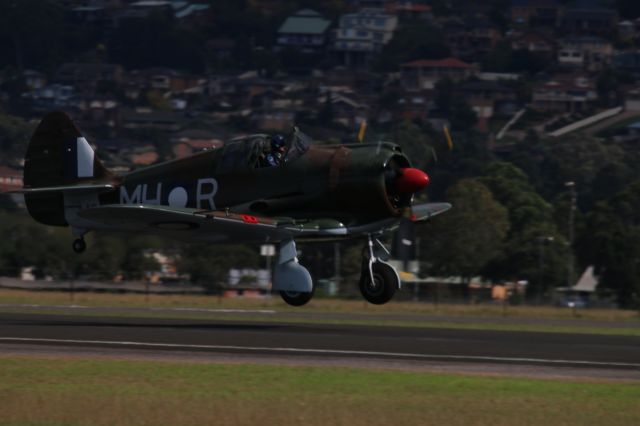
(204, 225)
(221, 226)
(424, 212)
(100, 187)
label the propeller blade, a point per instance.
(448, 136)
(363, 129)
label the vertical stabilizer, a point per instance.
(58, 155)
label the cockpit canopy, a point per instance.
(248, 152)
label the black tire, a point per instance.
(296, 298)
(79, 246)
(384, 286)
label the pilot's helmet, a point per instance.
(278, 143)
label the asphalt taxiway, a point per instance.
(499, 352)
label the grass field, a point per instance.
(40, 391)
(406, 314)
(19, 297)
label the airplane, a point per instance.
(230, 194)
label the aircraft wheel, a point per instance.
(384, 285)
(79, 245)
(296, 298)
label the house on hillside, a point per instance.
(627, 31)
(588, 53)
(10, 179)
(345, 109)
(85, 78)
(469, 37)
(409, 9)
(589, 18)
(361, 35)
(183, 11)
(273, 119)
(424, 73)
(193, 15)
(165, 80)
(34, 79)
(190, 141)
(220, 49)
(489, 99)
(148, 119)
(305, 30)
(564, 93)
(533, 42)
(628, 61)
(413, 105)
(537, 13)
(143, 155)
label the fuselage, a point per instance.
(341, 182)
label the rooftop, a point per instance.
(437, 63)
(305, 21)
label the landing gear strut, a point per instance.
(79, 245)
(378, 280)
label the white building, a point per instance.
(589, 53)
(362, 34)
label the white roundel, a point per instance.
(178, 197)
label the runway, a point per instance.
(554, 354)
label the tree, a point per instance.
(462, 241)
(500, 58)
(610, 241)
(209, 265)
(579, 158)
(629, 9)
(14, 135)
(156, 41)
(443, 99)
(463, 118)
(531, 221)
(33, 30)
(415, 143)
(607, 86)
(413, 41)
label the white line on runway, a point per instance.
(216, 311)
(328, 352)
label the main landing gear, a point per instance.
(290, 278)
(297, 298)
(378, 280)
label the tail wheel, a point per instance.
(296, 298)
(79, 245)
(384, 284)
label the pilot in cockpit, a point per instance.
(278, 146)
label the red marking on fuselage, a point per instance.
(249, 219)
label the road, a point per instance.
(493, 352)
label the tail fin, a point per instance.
(58, 155)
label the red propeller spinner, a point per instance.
(410, 180)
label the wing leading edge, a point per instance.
(424, 212)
